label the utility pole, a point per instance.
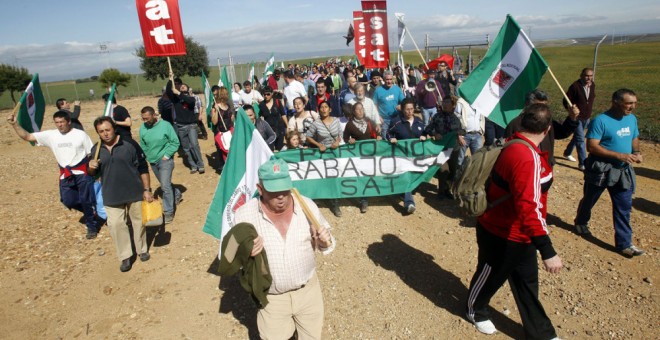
(426, 46)
(488, 40)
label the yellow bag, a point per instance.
(152, 214)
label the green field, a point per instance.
(635, 66)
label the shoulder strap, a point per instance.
(506, 186)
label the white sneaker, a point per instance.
(485, 327)
(570, 158)
(411, 209)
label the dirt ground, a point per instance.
(391, 276)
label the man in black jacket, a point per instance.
(123, 168)
(185, 122)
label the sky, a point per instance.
(60, 39)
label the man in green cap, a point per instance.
(295, 302)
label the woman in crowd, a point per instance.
(235, 94)
(359, 128)
(301, 119)
(222, 120)
(272, 111)
(324, 133)
(408, 127)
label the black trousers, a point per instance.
(501, 260)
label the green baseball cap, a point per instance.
(274, 176)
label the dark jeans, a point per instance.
(188, 137)
(77, 192)
(621, 207)
(493, 132)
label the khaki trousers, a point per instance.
(300, 310)
(117, 222)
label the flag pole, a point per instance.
(561, 89)
(423, 60)
(98, 149)
(169, 65)
(310, 216)
(16, 108)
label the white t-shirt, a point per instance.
(236, 98)
(69, 149)
(250, 98)
(292, 91)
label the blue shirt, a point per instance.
(615, 134)
(386, 101)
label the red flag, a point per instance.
(377, 51)
(161, 27)
(446, 58)
(360, 37)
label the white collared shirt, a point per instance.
(291, 260)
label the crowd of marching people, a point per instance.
(326, 105)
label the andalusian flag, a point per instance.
(108, 104)
(32, 107)
(208, 96)
(511, 68)
(251, 74)
(224, 79)
(270, 65)
(238, 182)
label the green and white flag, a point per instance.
(238, 182)
(251, 74)
(270, 65)
(511, 68)
(208, 97)
(31, 113)
(107, 111)
(224, 79)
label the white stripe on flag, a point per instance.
(491, 93)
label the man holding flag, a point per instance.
(70, 148)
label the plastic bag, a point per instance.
(152, 213)
(100, 210)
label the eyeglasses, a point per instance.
(268, 94)
(441, 65)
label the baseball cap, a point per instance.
(274, 176)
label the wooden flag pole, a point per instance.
(560, 88)
(169, 65)
(308, 212)
(98, 149)
(16, 108)
(423, 60)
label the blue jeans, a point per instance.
(385, 127)
(188, 137)
(77, 192)
(427, 114)
(472, 141)
(408, 199)
(163, 170)
(621, 207)
(578, 141)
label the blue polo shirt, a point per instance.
(386, 101)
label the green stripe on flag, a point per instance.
(208, 97)
(511, 68)
(31, 113)
(107, 111)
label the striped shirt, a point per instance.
(324, 134)
(291, 259)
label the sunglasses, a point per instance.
(268, 94)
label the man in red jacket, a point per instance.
(509, 236)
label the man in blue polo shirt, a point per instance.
(613, 145)
(387, 98)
